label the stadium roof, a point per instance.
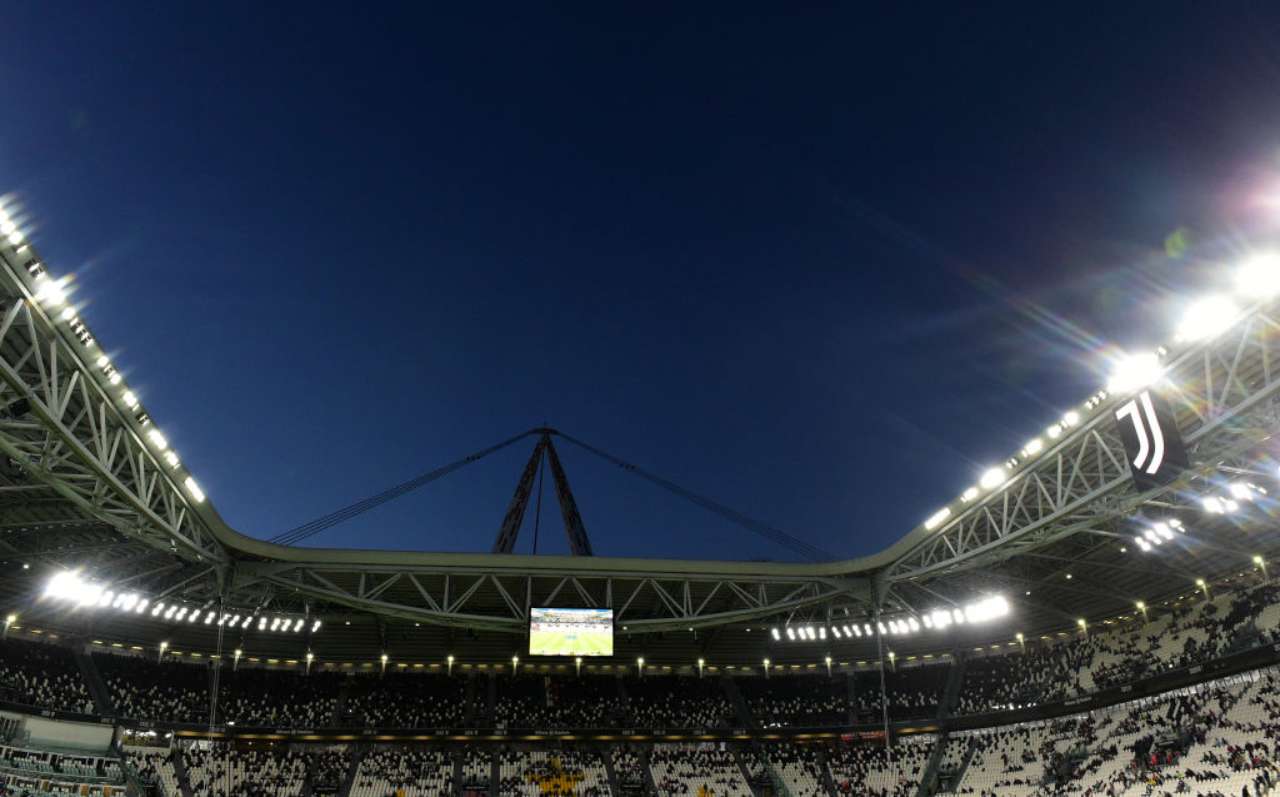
(88, 482)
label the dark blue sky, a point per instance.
(799, 260)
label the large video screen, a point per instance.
(571, 632)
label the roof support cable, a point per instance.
(771, 533)
(309, 529)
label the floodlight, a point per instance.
(993, 478)
(1206, 318)
(937, 518)
(194, 489)
(50, 291)
(1134, 371)
(1259, 276)
(969, 494)
(1213, 505)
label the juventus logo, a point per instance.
(1147, 428)
(1151, 440)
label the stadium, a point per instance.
(1096, 614)
(150, 648)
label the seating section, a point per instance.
(870, 767)
(1188, 634)
(581, 702)
(796, 701)
(799, 768)
(476, 768)
(678, 702)
(155, 766)
(142, 688)
(702, 770)
(1217, 739)
(42, 675)
(532, 773)
(279, 698)
(406, 772)
(223, 772)
(628, 769)
(67, 767)
(406, 700)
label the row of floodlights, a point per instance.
(981, 611)
(52, 294)
(68, 586)
(1257, 278)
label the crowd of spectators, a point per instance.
(42, 675)
(701, 770)
(873, 768)
(531, 701)
(224, 771)
(671, 701)
(1192, 632)
(391, 771)
(553, 773)
(799, 767)
(142, 688)
(406, 700)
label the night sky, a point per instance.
(825, 264)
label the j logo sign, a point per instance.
(1151, 440)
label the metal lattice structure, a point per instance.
(87, 480)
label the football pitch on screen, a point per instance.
(571, 643)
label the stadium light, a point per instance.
(1204, 587)
(1206, 318)
(1084, 627)
(1034, 446)
(383, 658)
(1022, 641)
(163, 647)
(310, 658)
(1134, 371)
(774, 633)
(449, 661)
(50, 291)
(1142, 607)
(701, 663)
(640, 666)
(1259, 276)
(937, 518)
(9, 620)
(993, 478)
(767, 664)
(969, 494)
(515, 664)
(827, 659)
(235, 664)
(577, 664)
(194, 490)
